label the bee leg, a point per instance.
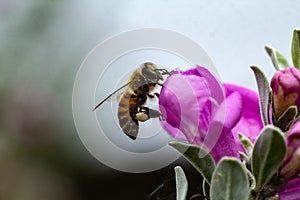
(151, 96)
(132, 108)
(141, 115)
(156, 114)
(162, 118)
(165, 72)
(150, 112)
(138, 115)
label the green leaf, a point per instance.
(204, 164)
(181, 183)
(243, 157)
(296, 48)
(287, 118)
(246, 143)
(264, 93)
(278, 60)
(205, 188)
(229, 181)
(273, 108)
(268, 154)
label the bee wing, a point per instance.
(117, 92)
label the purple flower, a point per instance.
(290, 191)
(250, 123)
(197, 110)
(291, 163)
(286, 89)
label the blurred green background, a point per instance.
(42, 44)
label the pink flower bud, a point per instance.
(286, 89)
(291, 164)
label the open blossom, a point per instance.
(197, 110)
(285, 85)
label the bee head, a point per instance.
(150, 71)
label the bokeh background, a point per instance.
(42, 44)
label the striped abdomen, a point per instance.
(128, 107)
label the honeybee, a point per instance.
(131, 109)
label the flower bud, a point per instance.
(291, 164)
(285, 85)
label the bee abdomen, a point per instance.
(131, 130)
(126, 115)
(129, 125)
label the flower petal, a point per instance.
(220, 141)
(250, 123)
(291, 191)
(291, 164)
(179, 102)
(186, 102)
(174, 132)
(216, 88)
(233, 108)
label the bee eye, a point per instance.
(150, 74)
